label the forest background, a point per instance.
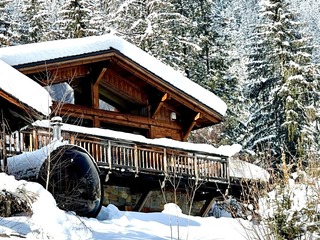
(260, 56)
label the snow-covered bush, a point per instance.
(12, 204)
(292, 209)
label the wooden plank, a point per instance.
(72, 110)
(95, 90)
(127, 89)
(142, 201)
(207, 205)
(165, 98)
(193, 123)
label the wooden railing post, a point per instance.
(72, 139)
(195, 160)
(109, 160)
(228, 169)
(136, 163)
(165, 165)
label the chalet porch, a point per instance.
(141, 167)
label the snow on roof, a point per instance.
(245, 170)
(24, 89)
(44, 51)
(238, 168)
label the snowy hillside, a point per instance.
(49, 222)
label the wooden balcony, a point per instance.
(127, 156)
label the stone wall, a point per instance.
(125, 200)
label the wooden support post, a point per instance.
(193, 123)
(4, 150)
(142, 201)
(228, 170)
(34, 140)
(21, 142)
(72, 139)
(165, 97)
(95, 95)
(95, 89)
(207, 205)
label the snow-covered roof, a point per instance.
(45, 51)
(24, 89)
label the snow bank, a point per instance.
(28, 164)
(47, 221)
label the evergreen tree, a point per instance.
(100, 16)
(309, 14)
(214, 68)
(154, 26)
(4, 24)
(74, 19)
(12, 19)
(282, 86)
(35, 21)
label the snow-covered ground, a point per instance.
(49, 222)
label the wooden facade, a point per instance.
(143, 167)
(107, 89)
(138, 101)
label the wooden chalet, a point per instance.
(118, 86)
(107, 83)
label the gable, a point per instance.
(144, 93)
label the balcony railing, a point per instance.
(138, 158)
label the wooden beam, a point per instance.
(11, 99)
(207, 205)
(165, 97)
(95, 89)
(60, 75)
(193, 123)
(175, 93)
(27, 111)
(123, 86)
(142, 201)
(111, 117)
(101, 75)
(65, 63)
